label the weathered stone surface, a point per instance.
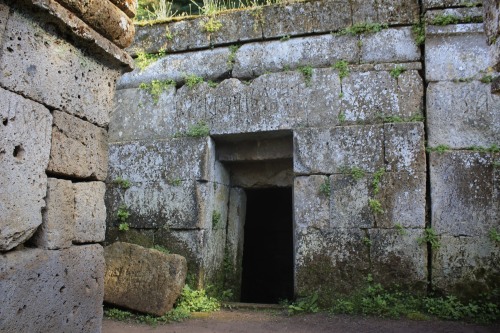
(447, 3)
(24, 155)
(464, 202)
(262, 174)
(90, 212)
(168, 160)
(389, 45)
(52, 291)
(208, 64)
(363, 11)
(104, 17)
(57, 229)
(410, 93)
(129, 7)
(142, 237)
(491, 10)
(4, 15)
(255, 59)
(138, 117)
(322, 101)
(463, 15)
(143, 279)
(456, 52)
(462, 114)
(397, 258)
(311, 205)
(398, 11)
(328, 150)
(404, 147)
(79, 149)
(87, 91)
(213, 256)
(466, 266)
(260, 149)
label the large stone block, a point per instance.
(390, 45)
(398, 11)
(463, 15)
(24, 155)
(397, 258)
(462, 114)
(58, 226)
(143, 279)
(404, 147)
(317, 51)
(52, 291)
(32, 60)
(456, 52)
(410, 94)
(466, 266)
(311, 205)
(447, 3)
(329, 150)
(90, 212)
(262, 174)
(79, 149)
(464, 193)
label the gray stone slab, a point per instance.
(463, 193)
(456, 52)
(328, 150)
(255, 59)
(168, 160)
(137, 116)
(363, 11)
(79, 148)
(323, 101)
(398, 11)
(466, 266)
(255, 150)
(24, 155)
(311, 205)
(52, 291)
(390, 45)
(446, 3)
(462, 114)
(213, 256)
(404, 147)
(262, 174)
(57, 228)
(47, 58)
(90, 212)
(410, 93)
(463, 15)
(398, 258)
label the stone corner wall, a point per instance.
(58, 73)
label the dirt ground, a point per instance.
(249, 321)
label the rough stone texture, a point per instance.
(52, 291)
(398, 11)
(57, 229)
(141, 279)
(208, 64)
(31, 60)
(311, 206)
(491, 9)
(397, 258)
(404, 147)
(260, 149)
(142, 237)
(410, 93)
(90, 212)
(262, 174)
(4, 15)
(104, 17)
(319, 150)
(446, 3)
(255, 59)
(466, 266)
(464, 193)
(79, 149)
(24, 155)
(456, 52)
(464, 15)
(129, 7)
(389, 45)
(462, 114)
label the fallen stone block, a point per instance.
(141, 279)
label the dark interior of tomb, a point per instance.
(268, 246)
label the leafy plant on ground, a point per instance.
(123, 183)
(198, 130)
(307, 304)
(175, 315)
(307, 72)
(192, 300)
(375, 206)
(430, 237)
(325, 188)
(343, 68)
(156, 87)
(397, 71)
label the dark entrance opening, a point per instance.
(268, 246)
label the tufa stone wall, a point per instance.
(344, 116)
(58, 70)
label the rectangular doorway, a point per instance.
(267, 272)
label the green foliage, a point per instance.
(325, 188)
(212, 25)
(487, 79)
(175, 182)
(400, 229)
(285, 38)
(429, 237)
(363, 28)
(440, 149)
(198, 130)
(377, 177)
(192, 80)
(375, 206)
(123, 183)
(161, 248)
(123, 226)
(354, 172)
(196, 301)
(176, 315)
(341, 116)
(156, 87)
(307, 304)
(445, 19)
(216, 219)
(392, 119)
(143, 59)
(453, 309)
(342, 67)
(307, 71)
(491, 149)
(212, 84)
(117, 314)
(494, 236)
(397, 71)
(232, 55)
(366, 241)
(419, 33)
(122, 213)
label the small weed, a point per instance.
(363, 28)
(212, 25)
(366, 241)
(117, 314)
(143, 59)
(307, 71)
(325, 188)
(341, 116)
(400, 229)
(192, 80)
(377, 177)
(196, 301)
(354, 172)
(487, 79)
(307, 304)
(198, 130)
(156, 87)
(123, 226)
(232, 55)
(445, 19)
(491, 149)
(212, 84)
(430, 237)
(216, 219)
(392, 119)
(342, 67)
(285, 38)
(495, 164)
(397, 71)
(123, 213)
(168, 33)
(123, 183)
(161, 249)
(375, 206)
(440, 149)
(494, 236)
(416, 118)
(175, 182)
(419, 33)
(176, 315)
(341, 95)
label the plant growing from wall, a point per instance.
(231, 60)
(341, 116)
(198, 130)
(307, 72)
(430, 237)
(325, 188)
(494, 236)
(123, 214)
(487, 78)
(192, 80)
(445, 19)
(285, 38)
(377, 177)
(355, 172)
(216, 219)
(419, 33)
(375, 206)
(212, 25)
(123, 183)
(342, 67)
(397, 71)
(143, 59)
(440, 149)
(156, 87)
(363, 28)
(160, 248)
(366, 241)
(400, 229)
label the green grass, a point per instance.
(307, 72)
(342, 67)
(375, 206)
(192, 80)
(156, 87)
